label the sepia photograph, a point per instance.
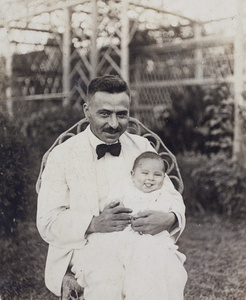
(123, 150)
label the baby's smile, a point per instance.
(148, 185)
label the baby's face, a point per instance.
(148, 175)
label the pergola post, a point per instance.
(9, 73)
(66, 54)
(238, 148)
(198, 53)
(94, 52)
(124, 65)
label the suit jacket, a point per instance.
(68, 199)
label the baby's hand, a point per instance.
(136, 215)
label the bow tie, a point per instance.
(113, 149)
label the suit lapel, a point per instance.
(130, 150)
(86, 195)
(83, 184)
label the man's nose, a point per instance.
(113, 121)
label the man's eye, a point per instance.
(121, 115)
(104, 113)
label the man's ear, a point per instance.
(86, 111)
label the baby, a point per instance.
(135, 251)
(145, 189)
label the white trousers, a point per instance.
(128, 266)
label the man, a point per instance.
(76, 182)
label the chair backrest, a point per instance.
(134, 127)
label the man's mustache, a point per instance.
(112, 130)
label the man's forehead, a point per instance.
(106, 95)
(110, 101)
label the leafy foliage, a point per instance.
(4, 82)
(176, 124)
(218, 121)
(219, 184)
(199, 120)
(43, 127)
(242, 114)
(13, 175)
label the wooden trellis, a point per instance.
(98, 40)
(76, 52)
(75, 61)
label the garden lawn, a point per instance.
(216, 261)
(216, 258)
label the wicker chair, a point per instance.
(70, 288)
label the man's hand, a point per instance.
(152, 222)
(114, 217)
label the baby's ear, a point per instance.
(132, 172)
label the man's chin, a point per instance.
(111, 138)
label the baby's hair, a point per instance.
(148, 154)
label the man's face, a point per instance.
(148, 175)
(108, 115)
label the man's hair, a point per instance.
(108, 83)
(149, 155)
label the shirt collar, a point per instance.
(94, 141)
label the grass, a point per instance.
(216, 258)
(214, 246)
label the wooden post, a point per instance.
(9, 73)
(94, 52)
(124, 64)
(238, 148)
(198, 52)
(66, 54)
(136, 101)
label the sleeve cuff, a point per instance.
(177, 225)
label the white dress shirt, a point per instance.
(109, 170)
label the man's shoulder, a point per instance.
(134, 138)
(130, 141)
(70, 143)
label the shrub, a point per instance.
(187, 163)
(215, 184)
(41, 130)
(13, 175)
(21, 150)
(176, 123)
(43, 127)
(216, 127)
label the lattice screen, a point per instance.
(155, 75)
(108, 42)
(158, 79)
(40, 71)
(218, 61)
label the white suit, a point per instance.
(68, 199)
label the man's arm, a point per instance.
(153, 222)
(57, 224)
(114, 217)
